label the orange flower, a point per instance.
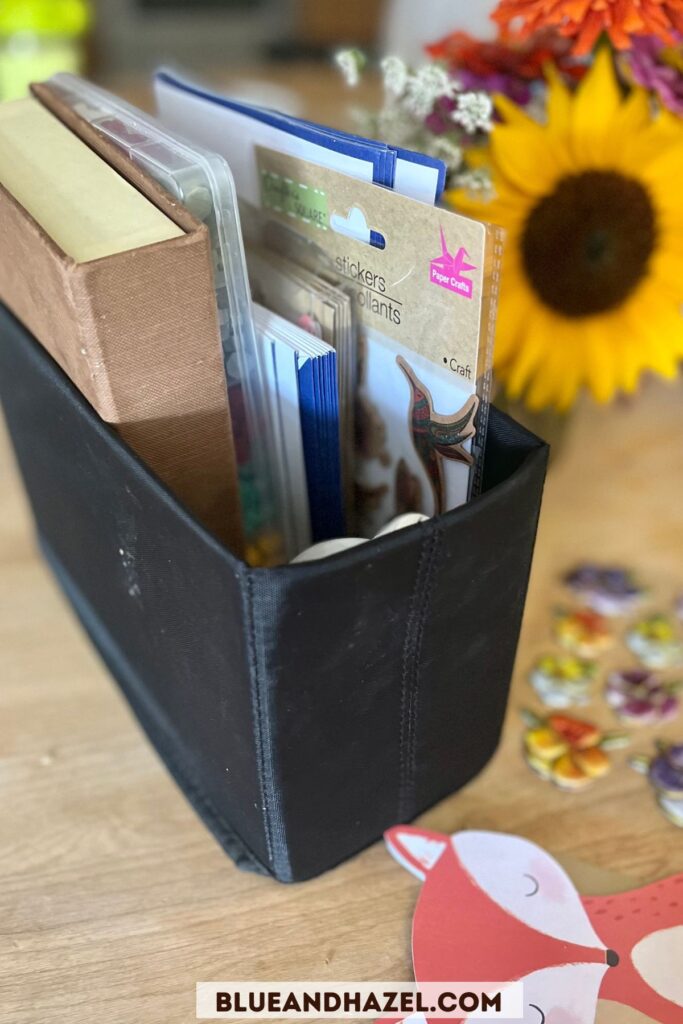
(585, 20)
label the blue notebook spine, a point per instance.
(320, 433)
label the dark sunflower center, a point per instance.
(586, 246)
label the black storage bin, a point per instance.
(302, 709)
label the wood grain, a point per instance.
(114, 899)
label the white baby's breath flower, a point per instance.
(350, 63)
(436, 80)
(445, 149)
(425, 87)
(395, 74)
(473, 111)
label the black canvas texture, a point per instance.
(304, 709)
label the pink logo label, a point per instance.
(448, 271)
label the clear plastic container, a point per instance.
(203, 183)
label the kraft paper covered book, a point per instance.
(115, 279)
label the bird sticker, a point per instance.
(499, 908)
(436, 437)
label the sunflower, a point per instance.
(585, 20)
(593, 268)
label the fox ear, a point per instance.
(414, 848)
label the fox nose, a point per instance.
(612, 958)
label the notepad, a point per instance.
(235, 129)
(307, 300)
(81, 202)
(302, 382)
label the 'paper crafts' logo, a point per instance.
(449, 271)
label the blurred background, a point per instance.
(118, 42)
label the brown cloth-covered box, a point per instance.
(137, 332)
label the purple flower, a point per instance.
(653, 65)
(515, 88)
(666, 771)
(610, 590)
(640, 697)
(440, 120)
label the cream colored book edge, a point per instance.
(81, 202)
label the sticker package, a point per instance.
(424, 283)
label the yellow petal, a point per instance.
(515, 307)
(559, 377)
(630, 369)
(639, 149)
(666, 267)
(501, 210)
(634, 114)
(532, 352)
(664, 168)
(463, 201)
(565, 368)
(528, 159)
(511, 113)
(627, 140)
(595, 107)
(522, 369)
(601, 361)
(558, 104)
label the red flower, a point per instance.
(518, 58)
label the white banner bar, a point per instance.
(358, 1000)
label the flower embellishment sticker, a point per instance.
(568, 751)
(584, 632)
(641, 697)
(665, 774)
(608, 590)
(561, 680)
(655, 641)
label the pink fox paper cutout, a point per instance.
(496, 907)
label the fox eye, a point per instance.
(533, 885)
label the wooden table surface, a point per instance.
(115, 900)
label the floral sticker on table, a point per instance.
(584, 632)
(568, 751)
(563, 680)
(665, 773)
(641, 697)
(609, 590)
(656, 642)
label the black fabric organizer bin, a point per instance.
(302, 709)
